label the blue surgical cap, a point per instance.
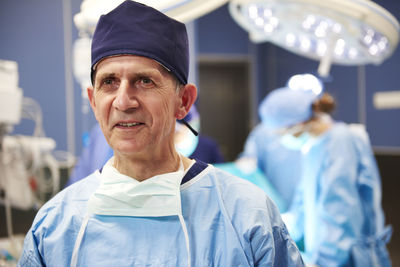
(136, 29)
(285, 107)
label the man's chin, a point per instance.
(127, 147)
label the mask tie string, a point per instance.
(185, 232)
(74, 259)
(182, 220)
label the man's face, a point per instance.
(135, 101)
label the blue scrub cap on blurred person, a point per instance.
(286, 107)
(136, 29)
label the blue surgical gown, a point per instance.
(337, 207)
(281, 166)
(230, 222)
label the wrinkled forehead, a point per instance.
(135, 63)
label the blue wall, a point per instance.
(217, 33)
(32, 34)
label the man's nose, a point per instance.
(126, 97)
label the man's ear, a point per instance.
(90, 93)
(188, 96)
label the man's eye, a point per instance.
(146, 81)
(107, 81)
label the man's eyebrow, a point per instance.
(148, 72)
(105, 74)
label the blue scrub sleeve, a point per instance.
(268, 232)
(286, 253)
(30, 256)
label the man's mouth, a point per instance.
(128, 124)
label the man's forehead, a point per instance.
(143, 64)
(125, 58)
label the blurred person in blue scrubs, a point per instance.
(337, 208)
(149, 205)
(264, 163)
(263, 151)
(199, 147)
(93, 156)
(246, 168)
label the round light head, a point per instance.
(350, 32)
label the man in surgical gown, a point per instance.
(148, 205)
(337, 205)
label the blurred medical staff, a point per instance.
(281, 166)
(337, 206)
(98, 152)
(93, 157)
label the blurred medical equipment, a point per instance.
(29, 173)
(23, 158)
(344, 32)
(182, 10)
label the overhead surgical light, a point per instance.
(181, 10)
(344, 32)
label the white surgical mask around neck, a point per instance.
(121, 195)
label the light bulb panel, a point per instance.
(352, 32)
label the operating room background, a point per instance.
(233, 76)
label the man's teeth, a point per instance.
(129, 124)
